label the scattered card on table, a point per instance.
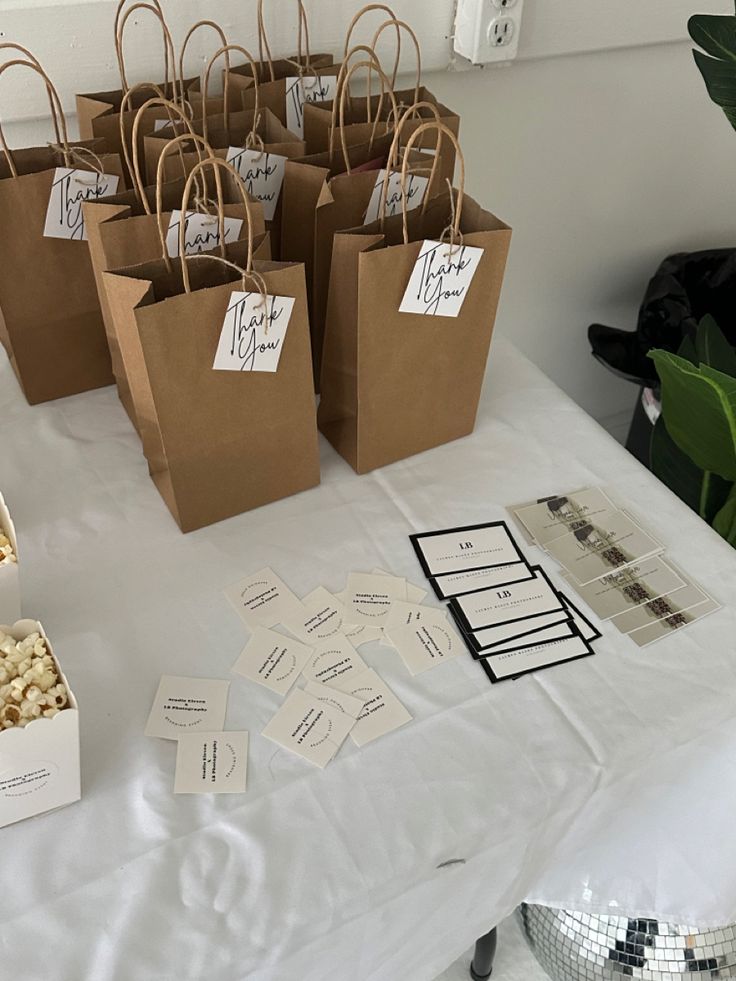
(670, 625)
(382, 711)
(322, 617)
(272, 660)
(670, 605)
(462, 549)
(555, 516)
(596, 549)
(404, 614)
(340, 700)
(211, 763)
(336, 658)
(359, 634)
(504, 633)
(560, 631)
(515, 663)
(368, 597)
(457, 583)
(414, 594)
(423, 645)
(309, 727)
(625, 590)
(263, 600)
(187, 705)
(506, 604)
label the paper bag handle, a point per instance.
(202, 200)
(393, 156)
(135, 166)
(56, 111)
(169, 52)
(454, 227)
(218, 165)
(116, 32)
(353, 24)
(193, 30)
(340, 82)
(265, 48)
(400, 26)
(385, 86)
(31, 57)
(226, 49)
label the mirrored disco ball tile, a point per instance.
(574, 946)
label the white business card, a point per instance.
(368, 598)
(414, 594)
(322, 617)
(359, 634)
(457, 583)
(555, 516)
(201, 232)
(334, 658)
(273, 660)
(263, 600)
(506, 604)
(309, 727)
(187, 705)
(462, 549)
(503, 633)
(441, 278)
(532, 658)
(425, 644)
(339, 700)
(382, 711)
(211, 763)
(406, 614)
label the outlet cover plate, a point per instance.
(477, 25)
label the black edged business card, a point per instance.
(464, 549)
(482, 643)
(513, 602)
(458, 583)
(587, 630)
(514, 664)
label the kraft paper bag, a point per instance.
(125, 229)
(218, 442)
(398, 383)
(212, 104)
(50, 319)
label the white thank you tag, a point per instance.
(440, 279)
(416, 188)
(201, 234)
(300, 90)
(253, 333)
(262, 173)
(69, 190)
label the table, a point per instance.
(606, 784)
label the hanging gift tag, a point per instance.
(440, 279)
(69, 190)
(262, 173)
(202, 232)
(300, 90)
(253, 333)
(416, 188)
(178, 125)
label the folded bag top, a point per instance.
(229, 440)
(57, 347)
(398, 383)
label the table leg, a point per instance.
(481, 967)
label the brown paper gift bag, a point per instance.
(219, 442)
(124, 230)
(50, 320)
(395, 384)
(99, 113)
(275, 75)
(213, 104)
(371, 115)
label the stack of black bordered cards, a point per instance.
(614, 565)
(512, 617)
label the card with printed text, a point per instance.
(273, 660)
(464, 549)
(187, 705)
(211, 763)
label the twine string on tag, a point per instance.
(456, 210)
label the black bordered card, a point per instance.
(486, 641)
(588, 630)
(511, 603)
(524, 660)
(464, 549)
(459, 583)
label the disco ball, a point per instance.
(586, 947)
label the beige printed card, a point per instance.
(340, 700)
(309, 727)
(322, 617)
(382, 711)
(263, 600)
(187, 705)
(273, 660)
(424, 644)
(404, 614)
(211, 763)
(336, 658)
(368, 598)
(359, 634)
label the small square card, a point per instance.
(557, 516)
(272, 660)
(424, 644)
(336, 658)
(457, 583)
(339, 700)
(512, 664)
(625, 590)
(462, 549)
(405, 614)
(322, 617)
(669, 625)
(506, 604)
(359, 634)
(368, 598)
(187, 705)
(211, 763)
(596, 549)
(309, 727)
(665, 606)
(414, 594)
(263, 600)
(382, 711)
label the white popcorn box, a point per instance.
(39, 764)
(9, 577)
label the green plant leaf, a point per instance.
(688, 351)
(699, 409)
(715, 34)
(704, 492)
(712, 347)
(725, 521)
(719, 78)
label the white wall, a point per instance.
(603, 162)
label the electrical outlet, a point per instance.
(487, 31)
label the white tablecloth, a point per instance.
(606, 784)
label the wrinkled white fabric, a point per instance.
(606, 784)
